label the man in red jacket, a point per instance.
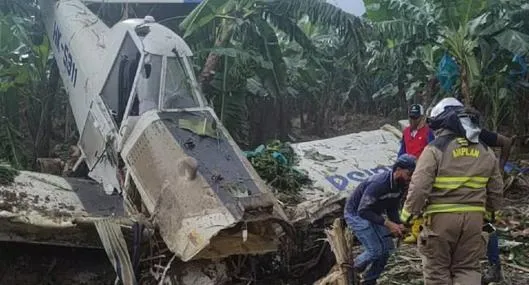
(414, 139)
(417, 135)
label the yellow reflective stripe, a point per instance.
(451, 183)
(461, 178)
(452, 186)
(453, 208)
(404, 216)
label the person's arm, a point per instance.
(393, 213)
(506, 144)
(421, 185)
(367, 203)
(347, 210)
(494, 191)
(493, 139)
(402, 149)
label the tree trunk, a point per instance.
(209, 68)
(206, 75)
(284, 119)
(401, 94)
(321, 118)
(430, 87)
(465, 87)
(301, 110)
(264, 120)
(42, 141)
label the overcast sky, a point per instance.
(355, 7)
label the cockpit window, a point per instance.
(178, 92)
(149, 83)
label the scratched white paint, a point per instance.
(355, 157)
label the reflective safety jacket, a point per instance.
(453, 175)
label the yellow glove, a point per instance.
(490, 217)
(415, 231)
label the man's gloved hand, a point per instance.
(415, 230)
(490, 217)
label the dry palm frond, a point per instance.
(336, 237)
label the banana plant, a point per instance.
(229, 30)
(259, 19)
(455, 26)
(26, 92)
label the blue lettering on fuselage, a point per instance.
(63, 50)
(341, 182)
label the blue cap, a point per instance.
(416, 111)
(406, 161)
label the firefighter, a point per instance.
(415, 138)
(380, 194)
(457, 179)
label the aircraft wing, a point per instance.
(48, 209)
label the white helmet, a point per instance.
(458, 121)
(440, 107)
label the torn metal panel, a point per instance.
(43, 208)
(194, 180)
(337, 165)
(116, 249)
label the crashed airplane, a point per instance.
(149, 138)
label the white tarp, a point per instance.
(337, 165)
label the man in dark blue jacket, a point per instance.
(380, 194)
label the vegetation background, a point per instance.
(293, 69)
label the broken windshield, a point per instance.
(178, 89)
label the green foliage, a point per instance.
(25, 88)
(251, 43)
(7, 174)
(275, 163)
(326, 61)
(302, 59)
(411, 35)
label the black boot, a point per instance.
(357, 274)
(370, 282)
(492, 274)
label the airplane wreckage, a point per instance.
(162, 163)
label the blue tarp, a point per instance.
(447, 72)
